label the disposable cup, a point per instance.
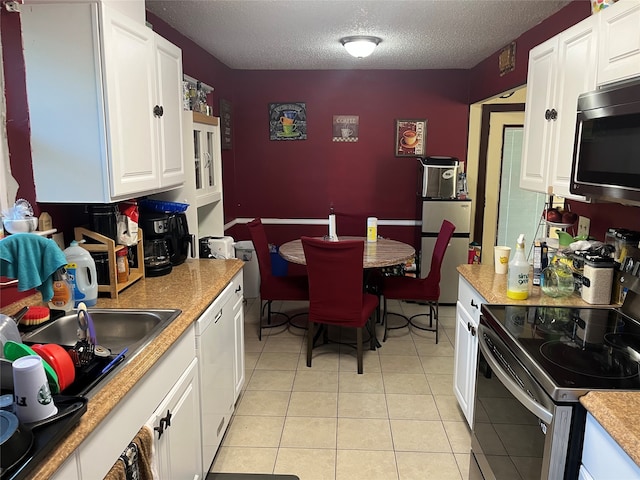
(33, 400)
(501, 257)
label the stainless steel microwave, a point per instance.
(606, 154)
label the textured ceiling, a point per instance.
(305, 34)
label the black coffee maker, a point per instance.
(166, 241)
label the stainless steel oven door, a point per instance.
(518, 432)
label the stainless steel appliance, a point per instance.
(434, 212)
(439, 177)
(535, 363)
(606, 142)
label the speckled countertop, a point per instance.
(190, 287)
(617, 412)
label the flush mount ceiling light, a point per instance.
(360, 46)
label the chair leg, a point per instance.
(309, 342)
(384, 319)
(359, 347)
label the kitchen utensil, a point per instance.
(113, 362)
(13, 351)
(60, 361)
(16, 438)
(8, 331)
(31, 390)
(19, 314)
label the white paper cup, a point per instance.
(501, 257)
(33, 400)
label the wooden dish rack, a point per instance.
(106, 244)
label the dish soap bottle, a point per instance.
(518, 274)
(62, 291)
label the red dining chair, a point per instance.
(421, 290)
(291, 287)
(336, 296)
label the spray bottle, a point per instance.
(518, 274)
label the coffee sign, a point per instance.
(411, 137)
(345, 128)
(288, 121)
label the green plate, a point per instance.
(13, 351)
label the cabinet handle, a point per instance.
(554, 114)
(167, 418)
(158, 111)
(473, 331)
(474, 304)
(218, 317)
(239, 289)
(469, 326)
(547, 114)
(160, 428)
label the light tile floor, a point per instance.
(399, 420)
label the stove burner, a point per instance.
(593, 362)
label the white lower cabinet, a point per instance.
(220, 351)
(603, 458)
(167, 383)
(178, 452)
(69, 470)
(466, 347)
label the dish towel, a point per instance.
(32, 259)
(136, 462)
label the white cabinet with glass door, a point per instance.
(206, 158)
(560, 69)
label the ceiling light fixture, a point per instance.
(360, 46)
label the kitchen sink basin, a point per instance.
(116, 329)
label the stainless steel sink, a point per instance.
(116, 329)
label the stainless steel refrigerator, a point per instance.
(458, 212)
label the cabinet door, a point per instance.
(69, 470)
(238, 324)
(178, 447)
(538, 112)
(208, 164)
(577, 59)
(619, 45)
(130, 92)
(169, 124)
(466, 350)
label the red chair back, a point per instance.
(335, 280)
(442, 242)
(261, 246)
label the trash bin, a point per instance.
(278, 264)
(247, 253)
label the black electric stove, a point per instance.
(571, 351)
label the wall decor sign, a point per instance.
(225, 124)
(345, 128)
(411, 138)
(288, 121)
(507, 59)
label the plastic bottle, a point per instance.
(81, 270)
(62, 291)
(518, 274)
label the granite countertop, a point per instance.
(493, 288)
(619, 415)
(617, 412)
(190, 287)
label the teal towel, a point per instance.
(32, 259)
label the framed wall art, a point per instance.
(345, 128)
(288, 121)
(225, 124)
(411, 138)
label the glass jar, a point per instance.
(122, 265)
(557, 279)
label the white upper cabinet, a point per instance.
(104, 95)
(619, 50)
(560, 69)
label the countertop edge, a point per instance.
(191, 304)
(619, 414)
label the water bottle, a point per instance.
(81, 270)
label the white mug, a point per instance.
(31, 393)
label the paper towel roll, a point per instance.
(332, 227)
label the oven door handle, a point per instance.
(529, 403)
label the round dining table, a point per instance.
(382, 253)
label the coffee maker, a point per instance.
(167, 241)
